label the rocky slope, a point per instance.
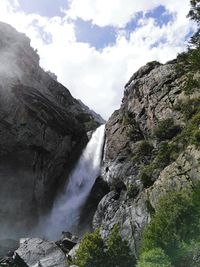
(149, 151)
(42, 132)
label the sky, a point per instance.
(94, 46)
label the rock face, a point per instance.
(42, 132)
(150, 97)
(99, 190)
(37, 252)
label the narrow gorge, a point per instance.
(79, 191)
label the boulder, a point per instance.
(67, 242)
(36, 252)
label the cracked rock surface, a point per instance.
(37, 252)
(149, 97)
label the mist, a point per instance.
(9, 56)
(67, 208)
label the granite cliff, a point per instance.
(151, 149)
(42, 132)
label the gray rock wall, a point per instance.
(42, 133)
(149, 97)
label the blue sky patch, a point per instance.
(98, 37)
(161, 15)
(48, 8)
(132, 25)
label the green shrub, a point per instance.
(91, 251)
(175, 219)
(166, 129)
(133, 132)
(191, 84)
(154, 258)
(153, 63)
(190, 60)
(146, 175)
(95, 252)
(196, 119)
(194, 12)
(143, 150)
(118, 251)
(196, 138)
(188, 64)
(175, 222)
(187, 254)
(132, 190)
(128, 119)
(188, 107)
(190, 134)
(166, 153)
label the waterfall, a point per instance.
(67, 208)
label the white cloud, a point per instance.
(119, 12)
(98, 77)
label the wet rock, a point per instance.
(67, 242)
(10, 261)
(38, 252)
(72, 254)
(99, 190)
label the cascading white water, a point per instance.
(67, 208)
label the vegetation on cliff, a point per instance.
(96, 252)
(177, 138)
(172, 237)
(174, 229)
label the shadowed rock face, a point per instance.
(42, 132)
(149, 97)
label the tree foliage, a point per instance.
(154, 258)
(166, 129)
(95, 252)
(91, 251)
(118, 251)
(194, 12)
(175, 222)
